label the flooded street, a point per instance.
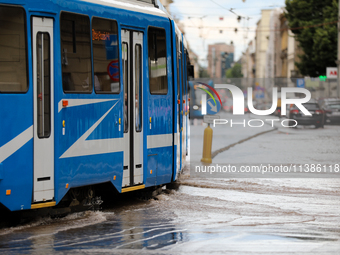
(207, 215)
(237, 216)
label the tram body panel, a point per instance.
(16, 128)
(86, 138)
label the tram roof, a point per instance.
(142, 6)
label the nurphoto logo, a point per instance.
(214, 105)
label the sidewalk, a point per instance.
(225, 135)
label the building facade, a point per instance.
(220, 57)
(282, 53)
(248, 61)
(261, 39)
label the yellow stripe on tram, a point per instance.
(42, 205)
(133, 188)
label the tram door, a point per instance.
(181, 103)
(179, 125)
(42, 46)
(132, 56)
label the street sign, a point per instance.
(212, 107)
(332, 73)
(300, 83)
(259, 94)
(259, 91)
(210, 118)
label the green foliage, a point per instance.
(203, 73)
(319, 43)
(235, 71)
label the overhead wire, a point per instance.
(230, 10)
(269, 30)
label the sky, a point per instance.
(203, 25)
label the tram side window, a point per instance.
(178, 59)
(105, 55)
(13, 50)
(157, 61)
(185, 89)
(187, 64)
(76, 53)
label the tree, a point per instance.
(203, 73)
(235, 71)
(316, 31)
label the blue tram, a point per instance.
(92, 92)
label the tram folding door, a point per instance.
(42, 46)
(132, 56)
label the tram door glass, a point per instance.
(138, 87)
(43, 85)
(125, 62)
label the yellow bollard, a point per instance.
(207, 142)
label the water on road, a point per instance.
(206, 215)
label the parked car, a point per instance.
(264, 106)
(228, 105)
(332, 113)
(331, 106)
(325, 101)
(317, 118)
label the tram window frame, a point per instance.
(64, 59)
(151, 32)
(25, 84)
(112, 23)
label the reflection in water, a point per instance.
(138, 226)
(41, 237)
(204, 216)
(143, 228)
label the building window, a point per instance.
(76, 53)
(157, 61)
(13, 50)
(105, 55)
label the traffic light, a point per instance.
(323, 77)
